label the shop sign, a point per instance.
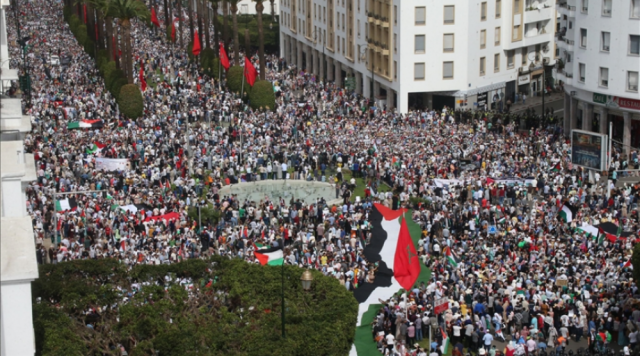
(616, 102)
(524, 79)
(482, 99)
(599, 98)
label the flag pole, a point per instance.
(244, 71)
(282, 269)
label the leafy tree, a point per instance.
(235, 76)
(218, 306)
(262, 95)
(130, 103)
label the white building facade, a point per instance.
(599, 43)
(425, 53)
(18, 266)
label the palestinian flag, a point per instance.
(568, 212)
(97, 147)
(627, 264)
(270, 256)
(86, 124)
(446, 344)
(451, 256)
(612, 232)
(68, 204)
(556, 168)
(590, 230)
(392, 248)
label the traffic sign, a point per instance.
(492, 229)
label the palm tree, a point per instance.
(225, 25)
(190, 13)
(216, 29)
(236, 43)
(102, 8)
(207, 22)
(259, 10)
(180, 23)
(125, 11)
(167, 14)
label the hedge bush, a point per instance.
(131, 102)
(232, 308)
(117, 85)
(235, 76)
(262, 95)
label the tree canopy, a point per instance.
(197, 307)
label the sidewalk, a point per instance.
(533, 102)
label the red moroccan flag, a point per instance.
(406, 264)
(143, 83)
(224, 60)
(173, 31)
(250, 71)
(154, 18)
(196, 44)
(84, 9)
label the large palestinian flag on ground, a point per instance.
(85, 124)
(392, 247)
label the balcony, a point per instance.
(566, 9)
(532, 15)
(565, 43)
(566, 77)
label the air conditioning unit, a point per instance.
(585, 9)
(605, 83)
(633, 87)
(606, 12)
(605, 48)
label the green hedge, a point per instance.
(209, 63)
(235, 76)
(117, 85)
(232, 308)
(262, 95)
(131, 103)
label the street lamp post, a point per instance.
(306, 280)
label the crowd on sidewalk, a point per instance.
(481, 190)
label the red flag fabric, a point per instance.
(250, 71)
(154, 18)
(173, 31)
(84, 9)
(143, 83)
(406, 264)
(196, 44)
(224, 60)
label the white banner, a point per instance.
(112, 164)
(441, 183)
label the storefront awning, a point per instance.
(484, 89)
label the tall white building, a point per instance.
(18, 266)
(424, 53)
(599, 43)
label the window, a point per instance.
(449, 14)
(496, 62)
(483, 39)
(419, 44)
(516, 6)
(497, 36)
(583, 37)
(395, 15)
(421, 15)
(395, 43)
(447, 70)
(585, 6)
(418, 71)
(604, 77)
(448, 42)
(632, 81)
(524, 56)
(395, 69)
(498, 8)
(482, 65)
(635, 9)
(483, 11)
(634, 45)
(605, 41)
(606, 8)
(583, 70)
(516, 33)
(510, 59)
(244, 9)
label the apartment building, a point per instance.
(18, 266)
(423, 53)
(599, 62)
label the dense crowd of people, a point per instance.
(481, 187)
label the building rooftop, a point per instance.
(8, 74)
(11, 118)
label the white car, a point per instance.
(54, 60)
